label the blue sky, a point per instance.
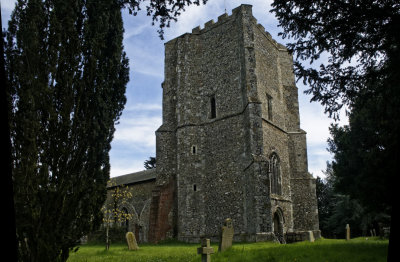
(134, 139)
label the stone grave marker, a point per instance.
(386, 232)
(226, 235)
(373, 232)
(131, 239)
(347, 232)
(205, 250)
(311, 237)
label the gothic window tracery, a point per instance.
(275, 175)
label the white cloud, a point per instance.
(317, 157)
(144, 107)
(316, 124)
(138, 130)
(135, 30)
(125, 167)
(7, 5)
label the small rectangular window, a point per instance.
(213, 107)
(194, 188)
(194, 150)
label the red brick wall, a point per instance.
(162, 203)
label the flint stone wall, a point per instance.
(221, 164)
(213, 168)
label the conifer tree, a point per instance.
(67, 74)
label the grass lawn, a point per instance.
(323, 250)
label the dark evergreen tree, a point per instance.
(67, 73)
(150, 163)
(66, 76)
(325, 193)
(7, 195)
(336, 209)
(361, 41)
(364, 162)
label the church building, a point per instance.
(230, 144)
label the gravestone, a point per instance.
(311, 236)
(386, 232)
(205, 250)
(131, 239)
(226, 236)
(347, 232)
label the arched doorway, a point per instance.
(278, 226)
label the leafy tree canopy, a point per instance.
(361, 41)
(359, 37)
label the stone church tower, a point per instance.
(230, 145)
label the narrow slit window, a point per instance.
(194, 150)
(269, 107)
(213, 107)
(194, 188)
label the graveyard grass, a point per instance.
(322, 250)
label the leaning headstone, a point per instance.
(131, 239)
(205, 250)
(347, 232)
(226, 236)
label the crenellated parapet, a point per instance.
(236, 12)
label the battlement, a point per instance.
(236, 12)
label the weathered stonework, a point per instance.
(140, 185)
(230, 145)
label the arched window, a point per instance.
(275, 174)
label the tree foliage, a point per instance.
(114, 210)
(161, 11)
(359, 38)
(150, 163)
(336, 209)
(361, 41)
(365, 155)
(67, 75)
(324, 192)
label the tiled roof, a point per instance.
(133, 178)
